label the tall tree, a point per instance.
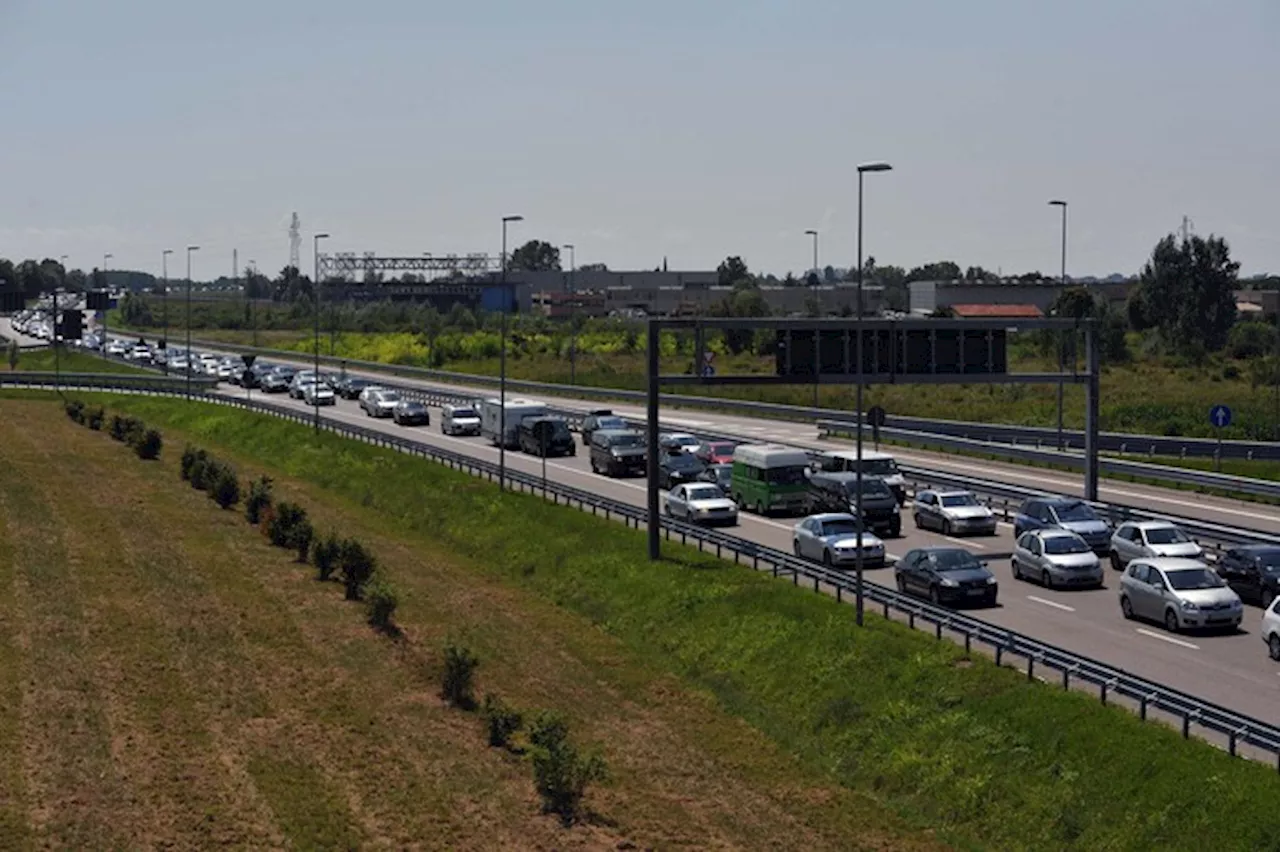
(939, 270)
(593, 267)
(535, 256)
(1187, 290)
(732, 272)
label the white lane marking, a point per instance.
(965, 543)
(1169, 639)
(1053, 604)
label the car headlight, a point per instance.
(1235, 604)
(949, 583)
(1189, 606)
(991, 581)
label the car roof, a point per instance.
(609, 432)
(1150, 525)
(1053, 532)
(845, 476)
(829, 516)
(1259, 548)
(1173, 563)
(953, 492)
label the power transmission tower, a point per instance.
(295, 242)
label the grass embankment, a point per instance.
(71, 361)
(170, 680)
(955, 746)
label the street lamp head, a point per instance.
(1058, 203)
(166, 251)
(513, 218)
(811, 233)
(193, 248)
(875, 166)
(322, 236)
(568, 246)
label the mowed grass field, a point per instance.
(169, 680)
(70, 361)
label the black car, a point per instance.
(277, 381)
(1253, 571)
(720, 474)
(946, 575)
(410, 412)
(601, 418)
(350, 388)
(678, 468)
(1068, 513)
(546, 436)
(837, 492)
(618, 452)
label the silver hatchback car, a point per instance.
(1056, 557)
(1180, 593)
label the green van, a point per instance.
(770, 478)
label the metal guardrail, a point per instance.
(103, 381)
(1110, 682)
(1111, 442)
(1074, 461)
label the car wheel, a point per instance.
(1017, 570)
(795, 548)
(759, 508)
(902, 584)
(1171, 621)
(826, 558)
(935, 597)
(946, 527)
(1268, 597)
(896, 530)
(1046, 579)
(916, 518)
(1116, 564)
(595, 468)
(1274, 645)
(1126, 608)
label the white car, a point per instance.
(379, 403)
(832, 538)
(1136, 539)
(679, 442)
(1270, 629)
(115, 347)
(459, 420)
(952, 513)
(319, 393)
(701, 503)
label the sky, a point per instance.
(680, 129)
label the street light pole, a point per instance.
(106, 311)
(187, 357)
(164, 297)
(1063, 280)
(859, 558)
(315, 303)
(573, 315)
(57, 350)
(817, 356)
(502, 361)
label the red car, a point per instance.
(716, 452)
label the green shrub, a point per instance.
(135, 431)
(303, 534)
(226, 488)
(501, 720)
(357, 565)
(148, 444)
(324, 555)
(459, 672)
(288, 524)
(207, 472)
(380, 602)
(561, 773)
(189, 456)
(122, 427)
(94, 416)
(259, 499)
(74, 409)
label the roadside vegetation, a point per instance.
(71, 361)
(916, 733)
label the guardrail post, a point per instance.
(1031, 667)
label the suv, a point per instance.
(546, 436)
(616, 452)
(836, 492)
(1253, 571)
(1068, 513)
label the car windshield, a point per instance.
(847, 526)
(952, 501)
(1166, 535)
(1189, 579)
(953, 560)
(683, 462)
(882, 467)
(720, 448)
(704, 492)
(1270, 561)
(627, 440)
(1063, 544)
(683, 440)
(870, 488)
(785, 475)
(413, 406)
(611, 423)
(389, 396)
(1075, 512)
(555, 429)
(464, 412)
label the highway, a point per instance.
(1232, 670)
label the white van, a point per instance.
(459, 419)
(876, 464)
(517, 410)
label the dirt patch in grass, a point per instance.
(180, 683)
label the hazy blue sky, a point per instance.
(691, 129)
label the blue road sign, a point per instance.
(1220, 416)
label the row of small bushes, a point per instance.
(146, 442)
(286, 525)
(561, 772)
